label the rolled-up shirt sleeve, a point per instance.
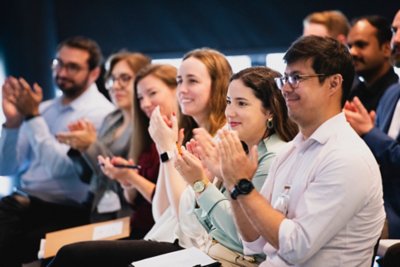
(254, 247)
(325, 209)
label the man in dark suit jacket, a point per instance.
(383, 138)
(369, 42)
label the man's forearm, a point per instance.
(264, 219)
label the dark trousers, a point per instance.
(392, 256)
(119, 253)
(24, 221)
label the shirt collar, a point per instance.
(85, 98)
(81, 101)
(323, 132)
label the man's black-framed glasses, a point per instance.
(71, 68)
(294, 80)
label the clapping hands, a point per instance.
(19, 100)
(81, 135)
(358, 117)
(234, 162)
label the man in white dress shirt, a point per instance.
(321, 204)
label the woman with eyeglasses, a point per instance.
(113, 139)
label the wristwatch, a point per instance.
(164, 157)
(199, 186)
(243, 187)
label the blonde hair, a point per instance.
(140, 138)
(334, 20)
(220, 72)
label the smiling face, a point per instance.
(152, 92)
(309, 103)
(121, 91)
(245, 113)
(368, 54)
(194, 89)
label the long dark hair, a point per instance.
(262, 83)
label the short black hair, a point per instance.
(381, 24)
(328, 57)
(87, 44)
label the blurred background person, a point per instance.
(329, 23)
(369, 43)
(381, 131)
(113, 139)
(50, 193)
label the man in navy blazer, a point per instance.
(383, 138)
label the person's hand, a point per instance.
(27, 98)
(235, 164)
(163, 131)
(81, 124)
(81, 135)
(13, 117)
(126, 177)
(358, 117)
(207, 151)
(190, 167)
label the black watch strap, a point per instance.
(166, 156)
(243, 187)
(29, 117)
(234, 193)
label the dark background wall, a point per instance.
(31, 29)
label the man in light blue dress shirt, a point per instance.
(50, 193)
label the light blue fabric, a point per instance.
(33, 153)
(215, 212)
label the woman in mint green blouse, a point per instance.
(256, 110)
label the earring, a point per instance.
(270, 123)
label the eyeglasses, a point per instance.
(394, 30)
(122, 79)
(294, 80)
(71, 68)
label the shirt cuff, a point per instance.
(210, 197)
(285, 238)
(9, 135)
(36, 124)
(254, 247)
(9, 131)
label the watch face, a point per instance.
(164, 157)
(245, 186)
(199, 186)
